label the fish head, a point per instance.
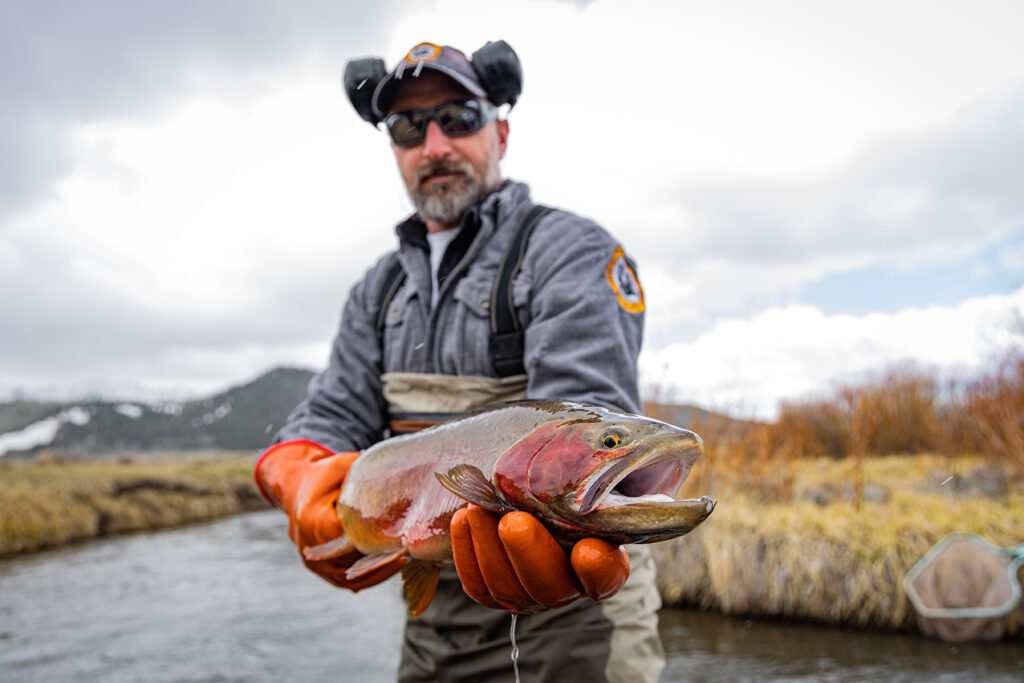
(602, 473)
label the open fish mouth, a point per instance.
(652, 479)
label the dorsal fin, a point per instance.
(367, 564)
(470, 484)
(419, 581)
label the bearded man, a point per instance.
(423, 336)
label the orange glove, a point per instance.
(513, 562)
(304, 479)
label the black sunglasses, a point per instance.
(455, 118)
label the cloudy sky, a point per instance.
(813, 191)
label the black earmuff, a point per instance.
(360, 80)
(500, 72)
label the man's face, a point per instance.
(445, 175)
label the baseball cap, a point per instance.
(442, 58)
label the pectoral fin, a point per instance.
(329, 550)
(367, 564)
(470, 484)
(419, 581)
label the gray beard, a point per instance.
(447, 204)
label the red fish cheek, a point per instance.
(561, 468)
(511, 472)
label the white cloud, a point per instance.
(940, 199)
(692, 296)
(188, 211)
(747, 366)
(732, 146)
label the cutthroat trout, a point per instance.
(582, 470)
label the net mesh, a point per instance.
(964, 588)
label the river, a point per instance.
(228, 601)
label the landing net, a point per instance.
(964, 587)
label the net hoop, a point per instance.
(1016, 556)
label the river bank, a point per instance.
(835, 542)
(51, 504)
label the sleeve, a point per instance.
(586, 316)
(344, 408)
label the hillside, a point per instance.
(243, 417)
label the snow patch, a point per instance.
(76, 415)
(219, 413)
(166, 408)
(42, 432)
(129, 410)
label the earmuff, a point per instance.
(360, 80)
(499, 70)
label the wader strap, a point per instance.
(393, 279)
(506, 342)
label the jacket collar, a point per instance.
(413, 230)
(479, 224)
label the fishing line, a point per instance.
(515, 648)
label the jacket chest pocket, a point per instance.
(464, 344)
(405, 333)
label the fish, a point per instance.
(583, 470)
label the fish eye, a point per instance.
(611, 440)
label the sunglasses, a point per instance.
(408, 128)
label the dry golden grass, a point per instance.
(996, 406)
(820, 548)
(909, 412)
(47, 504)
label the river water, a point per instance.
(229, 601)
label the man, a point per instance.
(433, 350)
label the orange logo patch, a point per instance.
(422, 53)
(624, 283)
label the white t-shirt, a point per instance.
(439, 242)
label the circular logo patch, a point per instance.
(423, 52)
(624, 283)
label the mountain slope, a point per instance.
(241, 418)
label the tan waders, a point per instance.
(616, 640)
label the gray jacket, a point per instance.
(580, 341)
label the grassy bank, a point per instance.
(817, 521)
(831, 540)
(48, 504)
